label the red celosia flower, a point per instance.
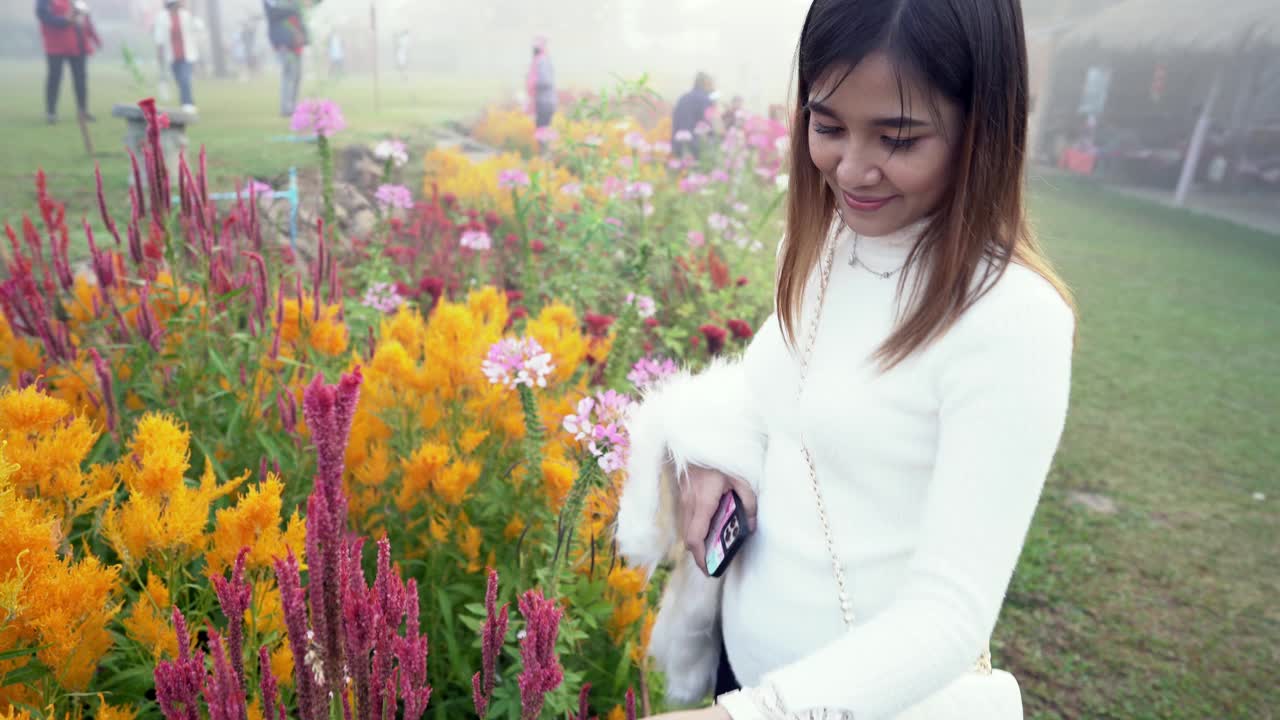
(651, 322)
(598, 324)
(740, 329)
(742, 281)
(715, 336)
(537, 246)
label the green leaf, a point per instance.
(28, 673)
(20, 652)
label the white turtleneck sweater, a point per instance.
(931, 473)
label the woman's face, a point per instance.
(884, 156)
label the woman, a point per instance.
(69, 39)
(890, 428)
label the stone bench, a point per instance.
(173, 138)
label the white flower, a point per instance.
(392, 150)
(476, 240)
(645, 305)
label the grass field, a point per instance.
(1163, 606)
(1167, 607)
(239, 124)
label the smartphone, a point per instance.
(729, 530)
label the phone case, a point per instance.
(729, 530)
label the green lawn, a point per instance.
(238, 121)
(1164, 608)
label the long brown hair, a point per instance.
(974, 53)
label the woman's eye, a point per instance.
(824, 129)
(898, 143)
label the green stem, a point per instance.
(326, 180)
(568, 520)
(534, 433)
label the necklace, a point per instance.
(855, 262)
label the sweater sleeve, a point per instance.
(709, 420)
(1003, 386)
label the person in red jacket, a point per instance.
(69, 39)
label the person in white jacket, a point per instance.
(890, 427)
(176, 34)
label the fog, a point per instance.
(1128, 95)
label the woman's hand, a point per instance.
(700, 494)
(712, 713)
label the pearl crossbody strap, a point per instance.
(983, 665)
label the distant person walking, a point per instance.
(249, 40)
(541, 84)
(337, 55)
(402, 54)
(288, 34)
(175, 37)
(690, 110)
(69, 39)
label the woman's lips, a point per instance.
(866, 203)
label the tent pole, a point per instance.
(1196, 147)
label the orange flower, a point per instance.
(627, 582)
(149, 624)
(625, 614)
(422, 471)
(471, 440)
(452, 485)
(557, 479)
(514, 528)
(254, 522)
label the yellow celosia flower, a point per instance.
(160, 450)
(488, 305)
(282, 665)
(7, 469)
(150, 622)
(468, 541)
(422, 471)
(376, 467)
(626, 581)
(408, 328)
(254, 522)
(30, 411)
(70, 608)
(641, 649)
(266, 612)
(557, 479)
(17, 355)
(556, 328)
(145, 524)
(506, 129)
(514, 528)
(617, 713)
(114, 712)
(625, 614)
(471, 440)
(439, 529)
(327, 336)
(452, 485)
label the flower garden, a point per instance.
(367, 476)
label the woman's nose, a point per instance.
(858, 168)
